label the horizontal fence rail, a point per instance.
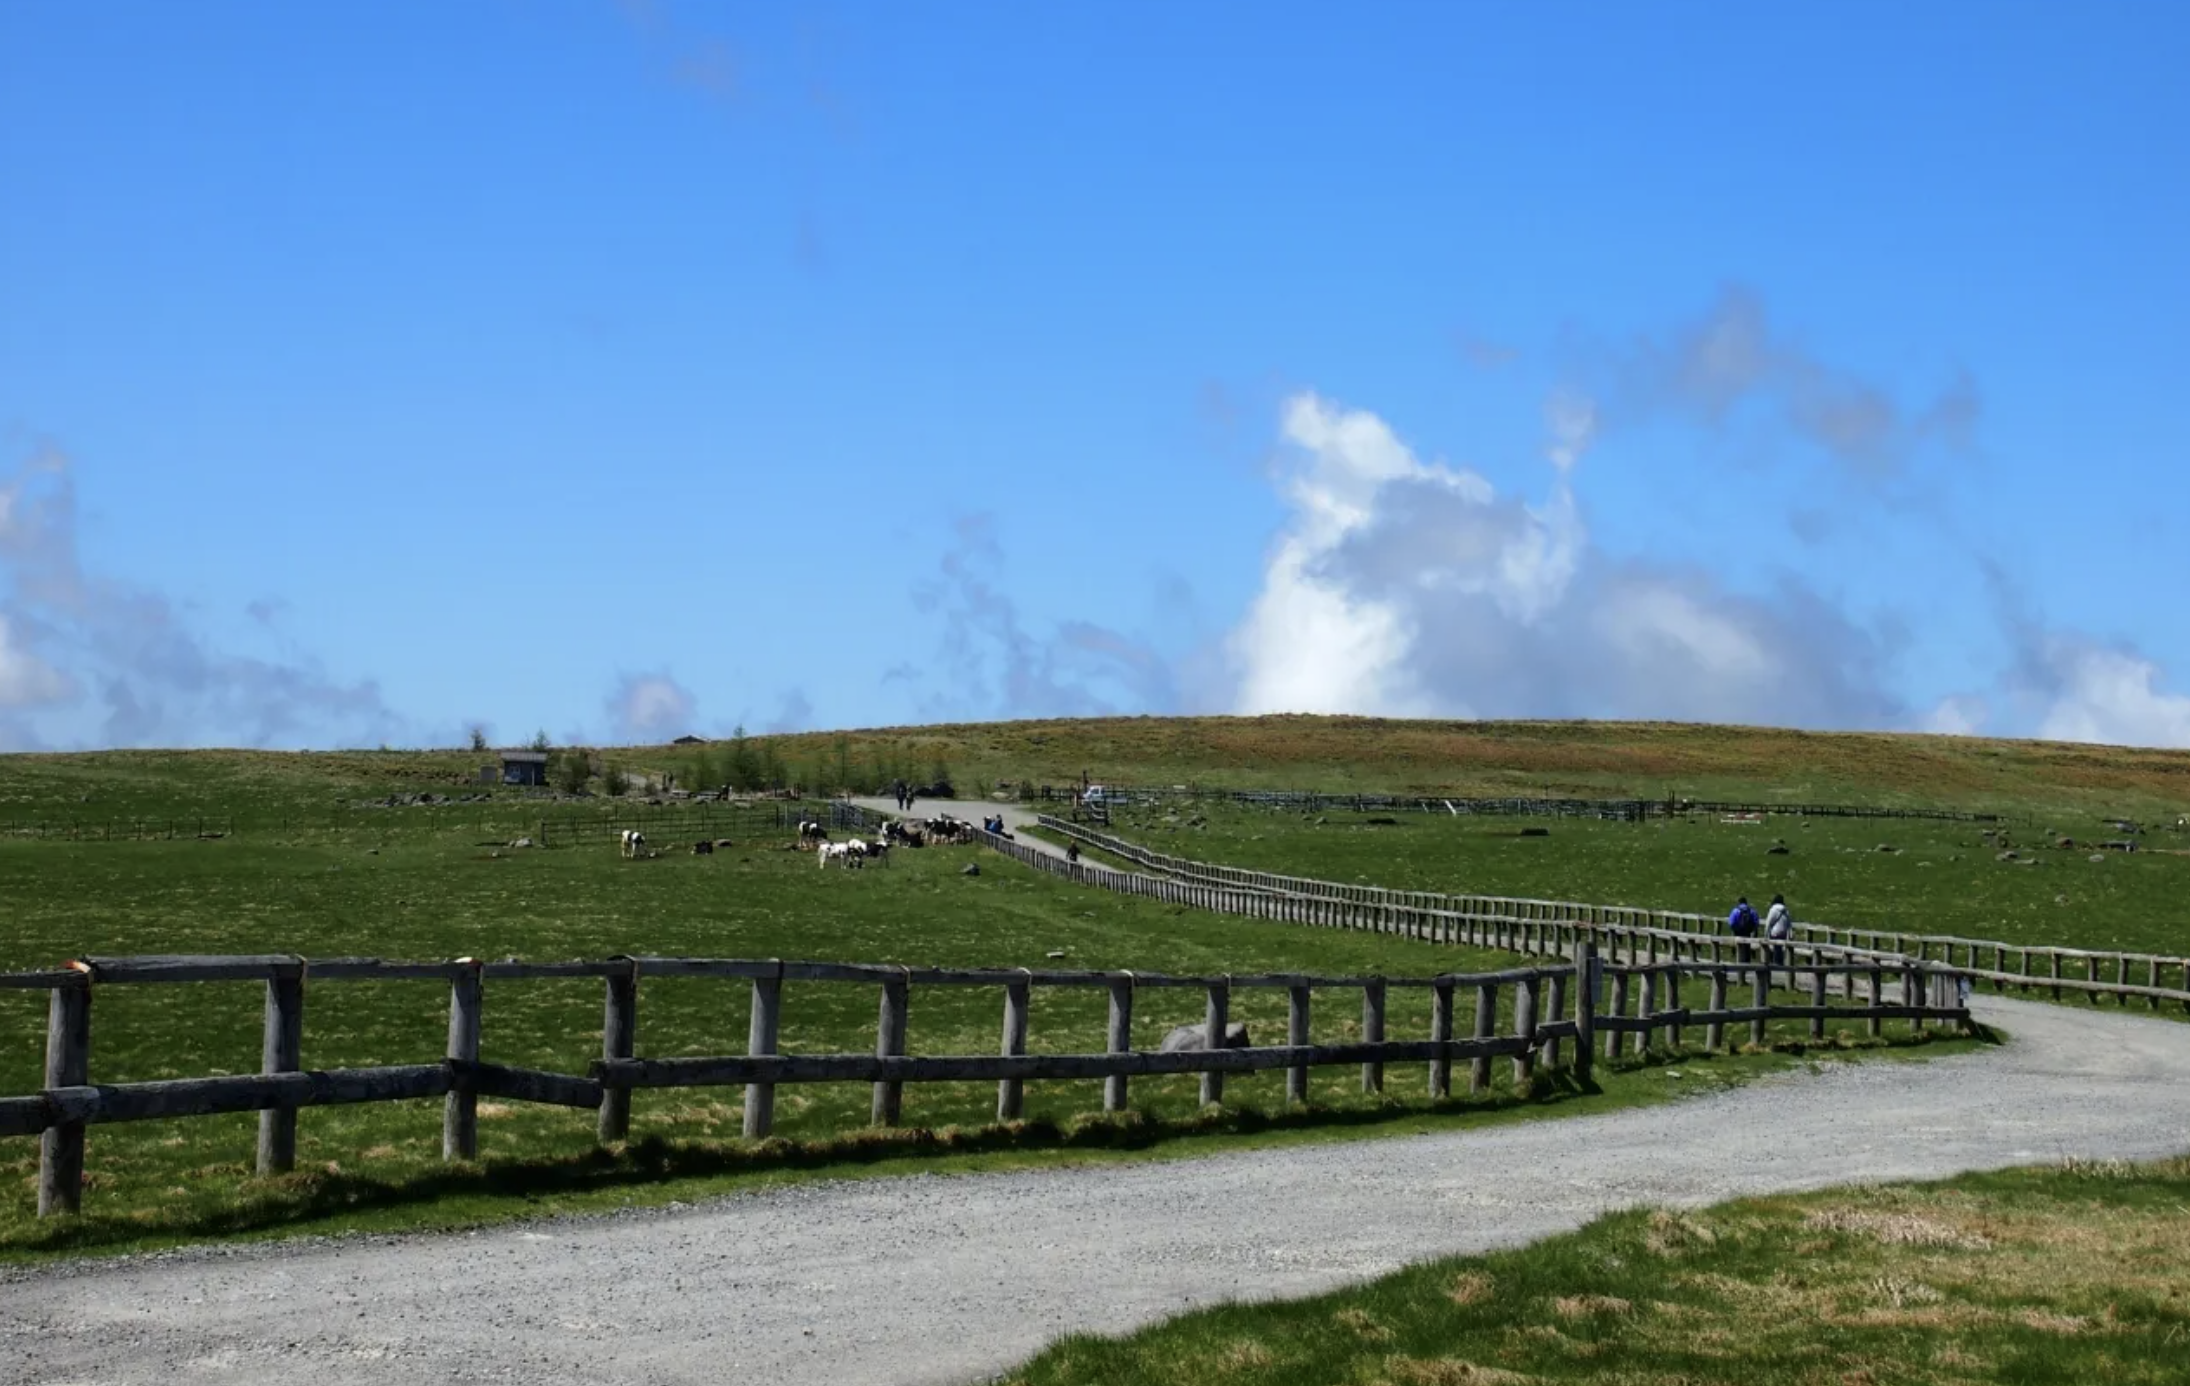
(1553, 1007)
(1518, 924)
(1532, 806)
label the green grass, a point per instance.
(2066, 1274)
(1646, 760)
(1941, 879)
(418, 893)
(312, 873)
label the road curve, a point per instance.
(951, 1279)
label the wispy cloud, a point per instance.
(989, 662)
(650, 707)
(1732, 359)
(87, 659)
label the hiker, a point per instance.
(1779, 926)
(1072, 852)
(1742, 924)
(898, 789)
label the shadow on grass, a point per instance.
(474, 1194)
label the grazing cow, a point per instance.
(879, 851)
(809, 830)
(845, 852)
(632, 844)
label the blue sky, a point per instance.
(628, 369)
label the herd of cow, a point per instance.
(813, 836)
(940, 831)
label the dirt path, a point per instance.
(950, 1279)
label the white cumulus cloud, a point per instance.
(1409, 588)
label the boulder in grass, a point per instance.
(1194, 1038)
(973, 868)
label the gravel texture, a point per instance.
(954, 1279)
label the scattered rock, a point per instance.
(1056, 952)
(372, 851)
(1777, 849)
(1535, 832)
(2066, 844)
(2060, 899)
(724, 844)
(1381, 822)
(2096, 856)
(2004, 856)
(1887, 847)
(972, 868)
(522, 842)
(1190, 1038)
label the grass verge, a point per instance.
(2061, 1274)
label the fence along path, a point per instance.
(1573, 1002)
(1485, 917)
(1530, 806)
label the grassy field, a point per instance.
(425, 893)
(1941, 877)
(2048, 1275)
(312, 872)
(1646, 760)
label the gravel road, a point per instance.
(953, 1279)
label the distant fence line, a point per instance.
(698, 818)
(1598, 990)
(2026, 966)
(1620, 810)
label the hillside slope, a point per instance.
(1646, 760)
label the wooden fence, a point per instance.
(2027, 966)
(1532, 806)
(1575, 1001)
(696, 819)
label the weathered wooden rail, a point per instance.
(1491, 920)
(1531, 806)
(1552, 1007)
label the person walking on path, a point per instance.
(1742, 924)
(1779, 927)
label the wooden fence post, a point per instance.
(1218, 1013)
(1877, 1024)
(1441, 1033)
(1912, 994)
(888, 1107)
(1011, 1092)
(1646, 1007)
(281, 1050)
(619, 1040)
(1486, 1027)
(1714, 1034)
(1585, 1008)
(1524, 1025)
(1296, 1035)
(68, 1065)
(1761, 976)
(1669, 999)
(1817, 998)
(1555, 1007)
(1121, 1039)
(1615, 1041)
(460, 1110)
(2053, 959)
(1372, 1032)
(760, 1038)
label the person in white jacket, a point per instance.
(1779, 926)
